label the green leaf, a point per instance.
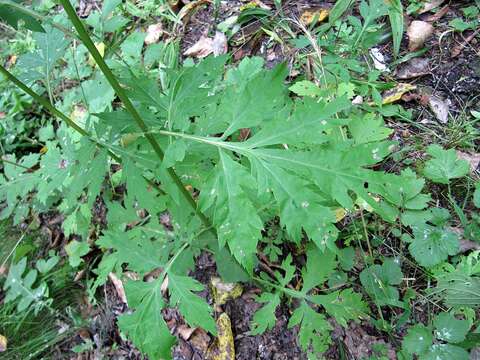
(39, 63)
(368, 128)
(145, 326)
(395, 14)
(444, 165)
(194, 309)
(132, 47)
(338, 9)
(44, 266)
(139, 191)
(236, 217)
(108, 7)
(450, 329)
(314, 328)
(265, 319)
(461, 25)
(228, 269)
(460, 289)
(378, 280)
(75, 250)
(418, 339)
(12, 16)
(343, 305)
(247, 69)
(432, 245)
(305, 88)
(135, 249)
(476, 195)
(20, 288)
(98, 92)
(15, 184)
(320, 265)
(445, 352)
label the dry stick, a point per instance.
(458, 49)
(87, 41)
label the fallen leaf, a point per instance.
(418, 32)
(411, 97)
(395, 94)
(12, 59)
(413, 68)
(3, 343)
(200, 340)
(439, 107)
(458, 48)
(473, 159)
(164, 286)
(222, 292)
(153, 33)
(378, 59)
(467, 245)
(430, 5)
(202, 48)
(309, 15)
(438, 15)
(223, 347)
(185, 331)
(219, 44)
(117, 283)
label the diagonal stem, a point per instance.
(51, 108)
(87, 41)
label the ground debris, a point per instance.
(414, 68)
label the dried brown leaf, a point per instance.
(438, 15)
(185, 331)
(439, 108)
(117, 283)
(202, 48)
(413, 68)
(430, 5)
(309, 15)
(473, 159)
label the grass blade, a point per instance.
(395, 14)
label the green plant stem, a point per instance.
(37, 16)
(87, 41)
(14, 163)
(50, 107)
(44, 102)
